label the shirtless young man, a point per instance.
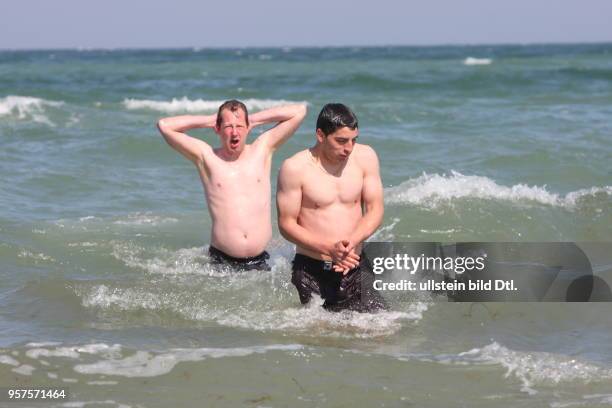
(330, 199)
(236, 175)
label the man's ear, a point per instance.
(320, 136)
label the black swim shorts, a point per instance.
(352, 291)
(258, 262)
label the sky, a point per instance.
(40, 24)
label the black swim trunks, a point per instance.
(352, 291)
(258, 262)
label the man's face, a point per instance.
(337, 146)
(233, 131)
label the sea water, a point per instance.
(105, 284)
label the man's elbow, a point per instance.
(302, 110)
(284, 227)
(162, 126)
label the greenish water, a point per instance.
(103, 228)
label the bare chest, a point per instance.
(250, 173)
(321, 189)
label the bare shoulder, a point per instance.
(295, 164)
(366, 156)
(292, 170)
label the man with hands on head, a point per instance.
(236, 175)
(329, 200)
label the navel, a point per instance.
(245, 236)
(218, 184)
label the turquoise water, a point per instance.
(105, 286)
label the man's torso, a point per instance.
(238, 196)
(331, 204)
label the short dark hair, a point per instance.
(334, 116)
(232, 105)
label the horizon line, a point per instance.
(281, 47)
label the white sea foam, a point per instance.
(257, 310)
(432, 190)
(199, 105)
(385, 233)
(536, 368)
(73, 351)
(145, 219)
(167, 262)
(24, 369)
(102, 383)
(27, 108)
(477, 61)
(36, 257)
(311, 320)
(4, 359)
(43, 344)
(150, 364)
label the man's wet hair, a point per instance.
(232, 105)
(334, 116)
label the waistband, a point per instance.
(312, 263)
(228, 258)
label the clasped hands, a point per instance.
(344, 256)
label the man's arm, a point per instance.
(173, 129)
(289, 118)
(288, 204)
(371, 196)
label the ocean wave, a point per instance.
(8, 360)
(193, 289)
(433, 190)
(311, 320)
(162, 261)
(27, 107)
(152, 364)
(103, 359)
(145, 219)
(477, 61)
(199, 105)
(536, 368)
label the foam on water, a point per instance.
(145, 219)
(8, 360)
(199, 105)
(477, 61)
(534, 368)
(183, 261)
(151, 364)
(74, 351)
(313, 320)
(432, 190)
(24, 369)
(195, 290)
(27, 107)
(385, 233)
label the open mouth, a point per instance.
(234, 142)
